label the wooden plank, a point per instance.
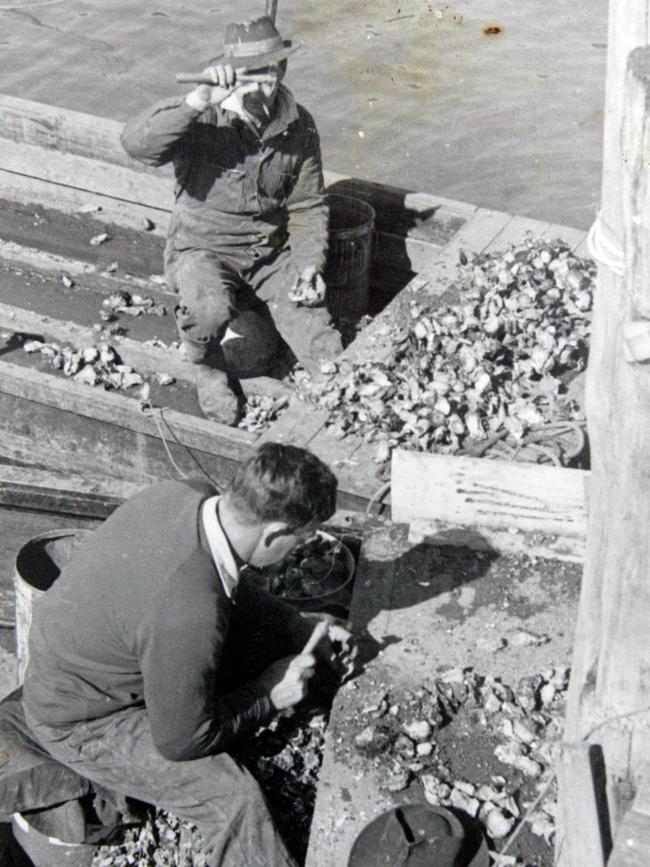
(473, 237)
(632, 842)
(115, 409)
(479, 231)
(473, 492)
(572, 237)
(580, 823)
(69, 494)
(400, 212)
(296, 426)
(92, 175)
(516, 232)
(408, 254)
(74, 132)
(145, 359)
(45, 436)
(35, 191)
(35, 258)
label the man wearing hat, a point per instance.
(249, 228)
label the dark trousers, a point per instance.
(213, 288)
(215, 793)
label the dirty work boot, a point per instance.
(216, 398)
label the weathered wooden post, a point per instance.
(609, 695)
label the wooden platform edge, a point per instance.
(40, 490)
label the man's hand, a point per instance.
(286, 679)
(309, 289)
(337, 646)
(225, 83)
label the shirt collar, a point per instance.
(284, 114)
(219, 546)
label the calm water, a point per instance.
(412, 93)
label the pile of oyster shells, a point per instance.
(260, 411)
(92, 365)
(285, 759)
(489, 369)
(400, 737)
(163, 841)
(130, 305)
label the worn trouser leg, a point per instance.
(215, 793)
(307, 330)
(206, 289)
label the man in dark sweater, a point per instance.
(151, 653)
(249, 226)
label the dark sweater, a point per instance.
(139, 617)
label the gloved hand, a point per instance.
(309, 289)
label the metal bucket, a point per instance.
(348, 261)
(337, 600)
(38, 565)
(46, 851)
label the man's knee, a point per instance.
(204, 286)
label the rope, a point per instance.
(605, 247)
(156, 412)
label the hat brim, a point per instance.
(257, 60)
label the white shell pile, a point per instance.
(261, 410)
(487, 368)
(130, 305)
(163, 841)
(527, 721)
(94, 365)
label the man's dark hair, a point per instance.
(284, 483)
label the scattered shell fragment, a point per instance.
(523, 638)
(99, 239)
(497, 824)
(419, 730)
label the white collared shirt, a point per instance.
(219, 546)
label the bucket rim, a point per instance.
(28, 828)
(351, 566)
(361, 203)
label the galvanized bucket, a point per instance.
(46, 851)
(348, 262)
(38, 565)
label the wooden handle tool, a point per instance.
(320, 631)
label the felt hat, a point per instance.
(420, 835)
(253, 44)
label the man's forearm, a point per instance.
(153, 135)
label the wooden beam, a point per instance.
(66, 494)
(118, 410)
(73, 132)
(452, 497)
(584, 823)
(145, 359)
(83, 173)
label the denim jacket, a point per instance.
(237, 193)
